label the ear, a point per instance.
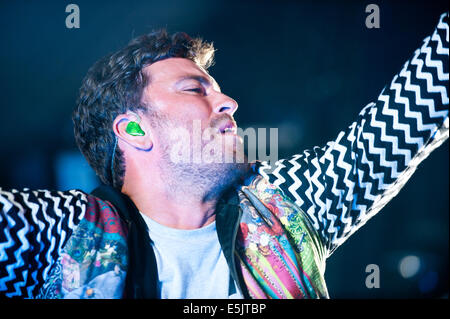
(142, 143)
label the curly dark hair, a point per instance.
(114, 85)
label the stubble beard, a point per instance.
(205, 181)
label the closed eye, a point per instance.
(196, 90)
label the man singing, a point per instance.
(161, 228)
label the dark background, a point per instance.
(302, 66)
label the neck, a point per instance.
(180, 196)
(179, 208)
(184, 213)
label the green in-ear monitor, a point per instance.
(134, 129)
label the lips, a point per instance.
(227, 127)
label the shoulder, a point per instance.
(102, 215)
(94, 261)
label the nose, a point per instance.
(225, 104)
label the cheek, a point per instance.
(191, 115)
(187, 109)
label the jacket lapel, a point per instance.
(228, 215)
(142, 274)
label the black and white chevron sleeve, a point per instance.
(342, 185)
(34, 226)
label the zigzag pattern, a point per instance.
(34, 226)
(342, 185)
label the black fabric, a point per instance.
(142, 273)
(228, 216)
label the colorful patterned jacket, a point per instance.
(276, 230)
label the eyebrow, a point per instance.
(199, 78)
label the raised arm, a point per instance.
(345, 183)
(34, 226)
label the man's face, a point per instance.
(185, 96)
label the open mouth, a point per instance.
(228, 127)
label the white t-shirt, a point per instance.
(190, 263)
